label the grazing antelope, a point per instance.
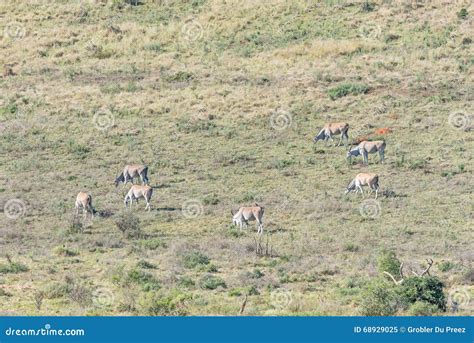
(331, 129)
(131, 171)
(367, 147)
(137, 192)
(246, 214)
(84, 200)
(364, 179)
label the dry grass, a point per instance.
(196, 90)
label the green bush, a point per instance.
(13, 268)
(445, 266)
(186, 282)
(463, 13)
(181, 76)
(347, 89)
(64, 251)
(152, 243)
(422, 308)
(146, 280)
(145, 265)
(211, 282)
(379, 299)
(172, 303)
(428, 289)
(195, 259)
(387, 261)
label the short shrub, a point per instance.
(463, 13)
(152, 243)
(445, 266)
(347, 89)
(13, 268)
(129, 225)
(195, 259)
(186, 282)
(211, 199)
(387, 261)
(211, 282)
(145, 265)
(172, 303)
(181, 76)
(64, 251)
(146, 280)
(379, 299)
(422, 308)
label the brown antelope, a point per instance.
(332, 129)
(132, 171)
(364, 179)
(84, 200)
(246, 214)
(368, 147)
(137, 192)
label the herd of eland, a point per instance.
(244, 214)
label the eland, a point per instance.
(139, 191)
(246, 214)
(368, 147)
(132, 171)
(364, 179)
(84, 200)
(332, 129)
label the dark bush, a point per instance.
(195, 259)
(347, 89)
(428, 289)
(129, 225)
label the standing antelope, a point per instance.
(331, 129)
(367, 147)
(84, 200)
(246, 214)
(137, 192)
(131, 171)
(364, 179)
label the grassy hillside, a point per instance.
(221, 99)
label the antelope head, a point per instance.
(119, 179)
(319, 136)
(352, 152)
